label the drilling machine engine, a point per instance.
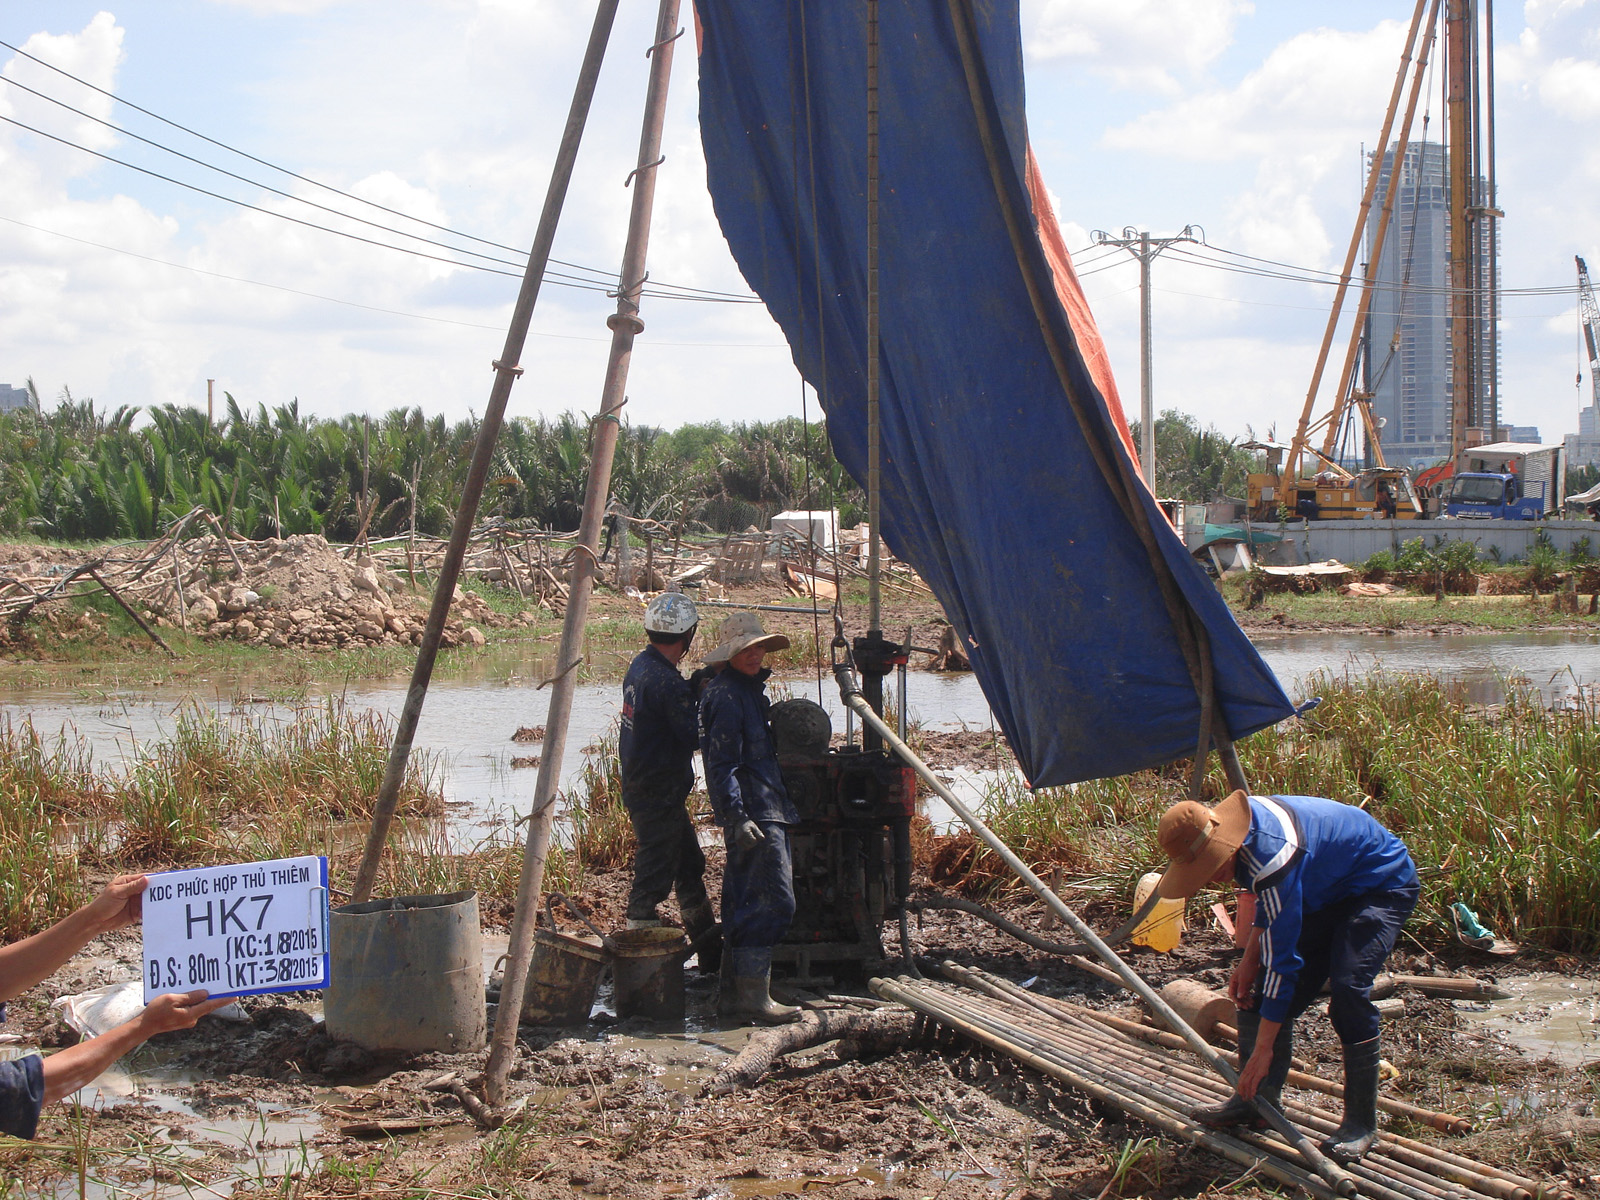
(852, 847)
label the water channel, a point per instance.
(472, 712)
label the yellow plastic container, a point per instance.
(1163, 929)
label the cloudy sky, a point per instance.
(1244, 118)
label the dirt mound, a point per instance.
(300, 591)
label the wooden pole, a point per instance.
(625, 326)
(506, 372)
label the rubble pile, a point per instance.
(300, 591)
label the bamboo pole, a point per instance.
(625, 325)
(1337, 1178)
(506, 372)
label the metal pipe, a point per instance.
(874, 342)
(1230, 1148)
(506, 372)
(1337, 1178)
(625, 325)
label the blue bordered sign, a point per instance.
(240, 930)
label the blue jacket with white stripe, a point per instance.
(1302, 854)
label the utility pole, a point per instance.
(1146, 249)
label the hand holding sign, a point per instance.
(237, 930)
(120, 902)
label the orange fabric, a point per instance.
(1090, 344)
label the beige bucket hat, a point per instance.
(1198, 840)
(741, 631)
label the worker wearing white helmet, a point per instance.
(656, 748)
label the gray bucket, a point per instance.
(647, 968)
(563, 979)
(407, 974)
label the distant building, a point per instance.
(11, 397)
(1522, 433)
(1409, 338)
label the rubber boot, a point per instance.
(700, 921)
(746, 979)
(1358, 1132)
(1237, 1110)
(752, 999)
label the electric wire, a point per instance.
(306, 178)
(684, 291)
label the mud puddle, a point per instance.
(1546, 1015)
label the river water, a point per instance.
(470, 715)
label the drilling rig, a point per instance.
(1589, 314)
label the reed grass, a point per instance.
(1499, 805)
(217, 788)
(602, 834)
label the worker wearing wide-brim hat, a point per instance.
(750, 803)
(1332, 887)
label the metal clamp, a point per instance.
(500, 366)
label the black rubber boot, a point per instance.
(1358, 1132)
(1237, 1110)
(700, 926)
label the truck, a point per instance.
(1509, 481)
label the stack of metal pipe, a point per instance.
(1133, 1072)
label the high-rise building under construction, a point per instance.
(1408, 333)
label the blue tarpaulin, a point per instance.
(990, 487)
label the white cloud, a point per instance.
(1570, 87)
(1138, 43)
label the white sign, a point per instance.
(237, 931)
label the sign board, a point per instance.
(241, 930)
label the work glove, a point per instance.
(747, 835)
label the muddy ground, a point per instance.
(274, 1108)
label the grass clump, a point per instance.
(1499, 806)
(216, 789)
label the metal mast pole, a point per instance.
(625, 325)
(506, 372)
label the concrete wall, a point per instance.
(1355, 541)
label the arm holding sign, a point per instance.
(29, 1083)
(27, 962)
(68, 1070)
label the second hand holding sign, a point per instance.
(239, 930)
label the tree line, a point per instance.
(78, 472)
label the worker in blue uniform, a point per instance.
(27, 1084)
(655, 749)
(1332, 888)
(754, 810)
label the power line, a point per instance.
(685, 291)
(393, 312)
(556, 278)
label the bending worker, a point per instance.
(28, 1084)
(1332, 887)
(754, 810)
(656, 751)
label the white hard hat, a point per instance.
(671, 612)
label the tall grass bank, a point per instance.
(1498, 804)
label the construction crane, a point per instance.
(1301, 478)
(1589, 314)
